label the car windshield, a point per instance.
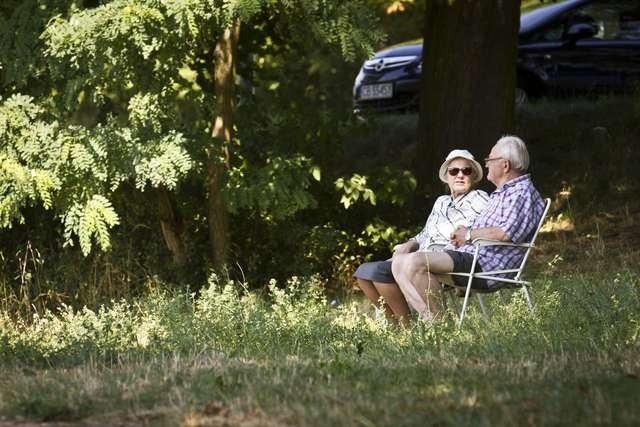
(532, 19)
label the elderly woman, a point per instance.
(460, 171)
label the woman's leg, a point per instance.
(395, 306)
(394, 298)
(370, 291)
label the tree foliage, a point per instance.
(74, 170)
(106, 100)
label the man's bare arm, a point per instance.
(459, 236)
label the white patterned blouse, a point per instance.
(447, 214)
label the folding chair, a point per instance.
(506, 283)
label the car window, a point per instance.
(550, 34)
(613, 20)
(629, 21)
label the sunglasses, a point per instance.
(455, 171)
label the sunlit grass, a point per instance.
(228, 356)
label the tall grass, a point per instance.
(228, 356)
(288, 358)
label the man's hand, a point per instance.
(406, 247)
(459, 236)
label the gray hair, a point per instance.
(512, 148)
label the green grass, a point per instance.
(287, 358)
(226, 356)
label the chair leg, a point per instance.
(482, 307)
(468, 292)
(528, 298)
(502, 297)
(465, 303)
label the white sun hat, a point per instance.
(461, 154)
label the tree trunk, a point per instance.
(171, 225)
(218, 159)
(467, 97)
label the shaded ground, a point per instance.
(593, 229)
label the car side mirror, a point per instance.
(580, 31)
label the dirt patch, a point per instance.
(216, 414)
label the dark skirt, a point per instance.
(376, 271)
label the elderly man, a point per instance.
(512, 215)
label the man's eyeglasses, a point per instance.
(489, 159)
(455, 171)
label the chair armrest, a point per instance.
(488, 242)
(436, 246)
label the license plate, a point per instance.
(379, 91)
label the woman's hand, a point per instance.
(406, 247)
(459, 236)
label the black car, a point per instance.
(577, 46)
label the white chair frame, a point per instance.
(515, 282)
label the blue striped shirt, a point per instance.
(516, 208)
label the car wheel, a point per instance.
(522, 97)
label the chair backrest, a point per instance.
(547, 204)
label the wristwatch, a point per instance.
(467, 235)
